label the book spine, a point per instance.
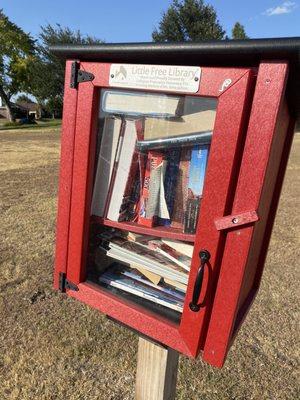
(173, 159)
(195, 187)
(181, 192)
(154, 160)
(191, 215)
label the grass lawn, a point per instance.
(53, 347)
(43, 123)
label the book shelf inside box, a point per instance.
(159, 231)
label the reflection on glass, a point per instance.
(151, 162)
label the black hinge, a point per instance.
(78, 75)
(65, 284)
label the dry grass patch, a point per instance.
(52, 347)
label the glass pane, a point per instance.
(151, 156)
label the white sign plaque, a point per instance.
(170, 78)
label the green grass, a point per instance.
(43, 123)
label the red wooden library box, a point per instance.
(144, 125)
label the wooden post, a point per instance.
(156, 372)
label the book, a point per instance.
(139, 277)
(182, 247)
(105, 256)
(153, 203)
(170, 253)
(169, 184)
(129, 206)
(159, 246)
(201, 121)
(107, 153)
(140, 289)
(191, 215)
(122, 165)
(139, 238)
(154, 278)
(157, 206)
(181, 189)
(135, 254)
(175, 284)
(197, 170)
(130, 103)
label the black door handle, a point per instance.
(204, 258)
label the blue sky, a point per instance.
(134, 21)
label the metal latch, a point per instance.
(231, 221)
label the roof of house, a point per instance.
(28, 106)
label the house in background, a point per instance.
(23, 109)
(31, 109)
(3, 111)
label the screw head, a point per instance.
(204, 255)
(194, 307)
(235, 220)
(196, 79)
(112, 76)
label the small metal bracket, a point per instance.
(64, 284)
(231, 221)
(78, 75)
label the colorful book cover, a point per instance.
(174, 255)
(198, 164)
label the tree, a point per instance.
(47, 83)
(238, 32)
(187, 20)
(23, 97)
(16, 52)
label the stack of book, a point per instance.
(145, 266)
(172, 188)
(151, 169)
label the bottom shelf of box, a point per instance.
(159, 231)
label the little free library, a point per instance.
(172, 163)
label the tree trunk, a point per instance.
(5, 98)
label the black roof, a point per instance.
(248, 52)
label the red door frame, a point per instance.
(227, 143)
(267, 147)
(65, 176)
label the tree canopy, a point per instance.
(16, 53)
(238, 32)
(47, 72)
(188, 20)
